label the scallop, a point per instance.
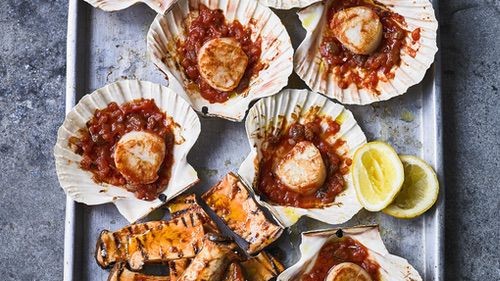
(302, 169)
(276, 57)
(415, 57)
(391, 267)
(222, 63)
(358, 29)
(268, 118)
(79, 184)
(138, 156)
(160, 6)
(348, 271)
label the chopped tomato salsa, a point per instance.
(363, 70)
(211, 24)
(269, 185)
(341, 250)
(97, 142)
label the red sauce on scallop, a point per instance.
(210, 24)
(97, 142)
(344, 63)
(341, 250)
(269, 185)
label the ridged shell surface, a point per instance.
(415, 61)
(287, 4)
(277, 53)
(160, 6)
(392, 268)
(265, 118)
(79, 184)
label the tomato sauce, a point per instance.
(415, 34)
(269, 185)
(97, 142)
(211, 24)
(341, 250)
(343, 63)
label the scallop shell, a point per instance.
(287, 4)
(266, 117)
(392, 267)
(309, 65)
(277, 53)
(160, 6)
(78, 183)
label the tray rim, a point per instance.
(436, 153)
(71, 77)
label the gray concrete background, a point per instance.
(32, 83)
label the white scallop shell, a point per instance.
(287, 4)
(160, 6)
(266, 117)
(78, 183)
(277, 52)
(392, 268)
(310, 66)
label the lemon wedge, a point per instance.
(377, 174)
(419, 192)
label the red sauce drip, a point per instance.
(387, 55)
(271, 187)
(97, 142)
(415, 35)
(341, 250)
(212, 24)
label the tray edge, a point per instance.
(437, 216)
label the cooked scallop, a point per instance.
(139, 155)
(348, 271)
(222, 63)
(302, 169)
(358, 29)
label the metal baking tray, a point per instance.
(105, 47)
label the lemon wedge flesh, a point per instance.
(419, 192)
(378, 175)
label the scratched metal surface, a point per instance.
(106, 47)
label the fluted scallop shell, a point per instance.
(265, 118)
(160, 6)
(277, 53)
(392, 268)
(287, 4)
(310, 67)
(78, 183)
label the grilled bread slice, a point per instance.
(177, 267)
(121, 273)
(181, 205)
(234, 273)
(232, 202)
(262, 267)
(112, 246)
(188, 204)
(212, 261)
(179, 238)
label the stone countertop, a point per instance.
(32, 84)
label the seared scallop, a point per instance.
(222, 63)
(138, 156)
(302, 169)
(358, 28)
(348, 271)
